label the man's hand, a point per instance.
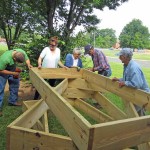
(121, 84)
(115, 79)
(29, 66)
(90, 69)
(39, 66)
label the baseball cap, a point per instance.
(125, 52)
(87, 48)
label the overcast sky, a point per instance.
(117, 19)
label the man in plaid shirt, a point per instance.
(99, 60)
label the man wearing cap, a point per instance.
(8, 62)
(132, 75)
(99, 60)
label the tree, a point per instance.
(64, 15)
(49, 17)
(15, 17)
(105, 38)
(135, 35)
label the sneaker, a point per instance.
(15, 104)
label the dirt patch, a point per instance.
(26, 91)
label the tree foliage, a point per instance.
(49, 17)
(105, 38)
(135, 35)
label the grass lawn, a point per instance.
(11, 112)
(136, 55)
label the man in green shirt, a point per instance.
(8, 62)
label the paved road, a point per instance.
(142, 63)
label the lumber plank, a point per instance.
(28, 139)
(133, 95)
(122, 133)
(27, 105)
(76, 93)
(111, 109)
(58, 73)
(91, 111)
(73, 122)
(32, 115)
(61, 87)
(131, 112)
(76, 83)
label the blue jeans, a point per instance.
(106, 73)
(13, 88)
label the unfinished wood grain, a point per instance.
(110, 108)
(31, 116)
(58, 73)
(61, 87)
(133, 95)
(122, 133)
(91, 111)
(131, 112)
(76, 83)
(76, 93)
(73, 122)
(28, 139)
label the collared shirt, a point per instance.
(75, 61)
(134, 77)
(100, 61)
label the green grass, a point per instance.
(10, 113)
(136, 55)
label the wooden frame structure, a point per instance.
(115, 130)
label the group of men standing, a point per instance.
(50, 58)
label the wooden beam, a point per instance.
(91, 111)
(27, 105)
(77, 127)
(76, 93)
(76, 83)
(58, 73)
(19, 138)
(122, 133)
(61, 87)
(31, 116)
(135, 96)
(131, 112)
(110, 108)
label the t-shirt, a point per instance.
(50, 59)
(7, 62)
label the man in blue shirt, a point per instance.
(132, 75)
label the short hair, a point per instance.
(127, 52)
(19, 57)
(54, 39)
(77, 51)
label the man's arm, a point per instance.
(28, 63)
(9, 72)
